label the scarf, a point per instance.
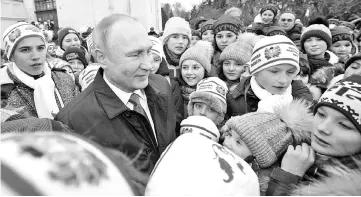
(186, 91)
(268, 101)
(173, 62)
(44, 91)
(231, 84)
(316, 64)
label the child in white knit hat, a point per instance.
(195, 164)
(274, 65)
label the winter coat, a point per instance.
(238, 104)
(328, 61)
(259, 28)
(283, 183)
(15, 94)
(99, 114)
(294, 34)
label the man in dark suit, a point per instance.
(126, 107)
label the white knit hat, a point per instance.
(15, 33)
(157, 47)
(272, 51)
(200, 125)
(176, 25)
(194, 165)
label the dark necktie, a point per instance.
(134, 99)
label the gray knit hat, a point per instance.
(268, 135)
(201, 52)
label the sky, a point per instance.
(187, 4)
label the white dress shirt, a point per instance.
(125, 96)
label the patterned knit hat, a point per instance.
(274, 30)
(270, 7)
(75, 53)
(343, 98)
(176, 25)
(268, 135)
(57, 163)
(200, 125)
(157, 47)
(208, 25)
(334, 21)
(213, 92)
(227, 23)
(352, 59)
(317, 28)
(272, 51)
(201, 52)
(63, 32)
(15, 33)
(340, 33)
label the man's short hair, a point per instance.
(103, 28)
(289, 12)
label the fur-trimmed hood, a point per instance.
(341, 181)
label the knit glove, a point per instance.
(268, 104)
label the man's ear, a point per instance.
(100, 57)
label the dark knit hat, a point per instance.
(340, 33)
(274, 30)
(200, 20)
(318, 27)
(196, 33)
(343, 98)
(227, 23)
(75, 53)
(334, 21)
(208, 25)
(270, 7)
(352, 59)
(268, 135)
(63, 32)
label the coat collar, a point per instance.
(111, 104)
(241, 88)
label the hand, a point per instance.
(298, 160)
(224, 131)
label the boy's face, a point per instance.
(333, 134)
(276, 79)
(155, 60)
(234, 143)
(201, 109)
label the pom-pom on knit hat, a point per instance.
(227, 23)
(340, 33)
(343, 97)
(200, 125)
(17, 32)
(318, 27)
(208, 25)
(211, 91)
(75, 53)
(63, 32)
(268, 135)
(176, 25)
(201, 52)
(272, 51)
(274, 30)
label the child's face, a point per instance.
(177, 43)
(232, 69)
(342, 49)
(276, 79)
(353, 69)
(192, 72)
(201, 109)
(334, 134)
(234, 143)
(155, 60)
(315, 47)
(225, 38)
(76, 65)
(194, 40)
(208, 35)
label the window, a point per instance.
(42, 5)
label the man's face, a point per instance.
(127, 59)
(287, 21)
